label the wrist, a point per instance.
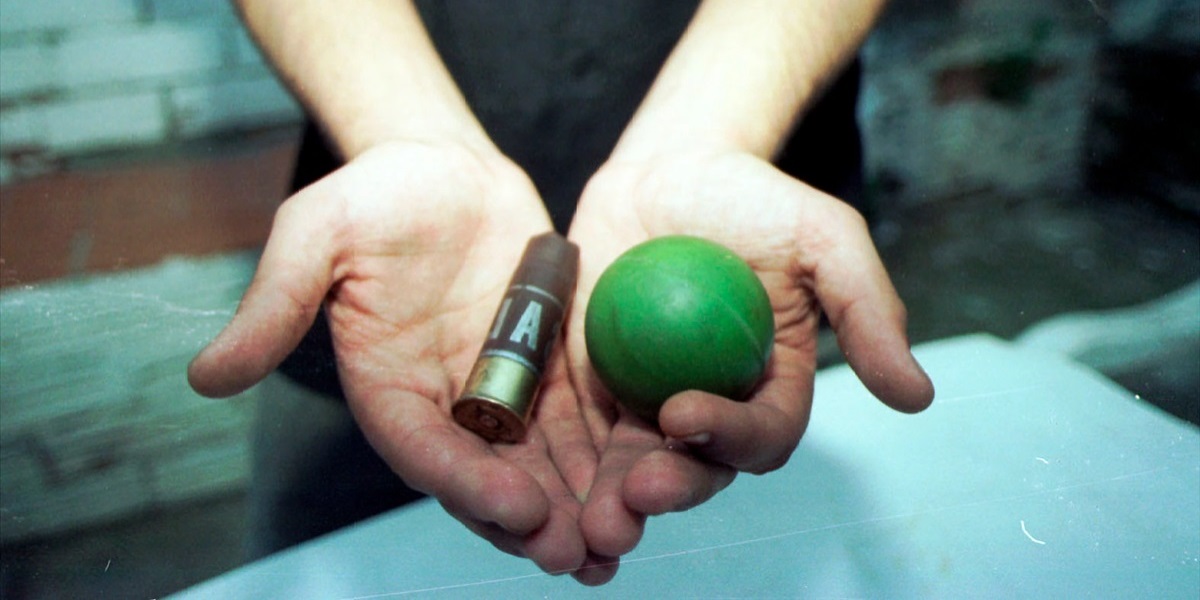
(369, 74)
(744, 73)
(656, 132)
(355, 136)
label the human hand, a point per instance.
(812, 252)
(410, 248)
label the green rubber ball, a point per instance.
(678, 313)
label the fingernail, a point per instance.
(698, 439)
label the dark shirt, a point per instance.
(554, 84)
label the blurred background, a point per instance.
(1033, 168)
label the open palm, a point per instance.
(813, 254)
(409, 248)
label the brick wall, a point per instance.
(967, 96)
(80, 77)
(964, 96)
(98, 420)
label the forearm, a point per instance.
(744, 73)
(365, 69)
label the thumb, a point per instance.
(869, 318)
(293, 276)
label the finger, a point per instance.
(434, 455)
(502, 540)
(279, 306)
(597, 570)
(526, 511)
(867, 315)
(596, 405)
(609, 525)
(756, 436)
(558, 546)
(560, 420)
(670, 479)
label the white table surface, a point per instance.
(1029, 477)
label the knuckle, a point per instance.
(779, 439)
(769, 464)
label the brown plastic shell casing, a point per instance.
(499, 394)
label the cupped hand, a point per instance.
(410, 247)
(812, 252)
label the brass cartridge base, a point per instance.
(497, 400)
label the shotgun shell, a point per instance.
(499, 395)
